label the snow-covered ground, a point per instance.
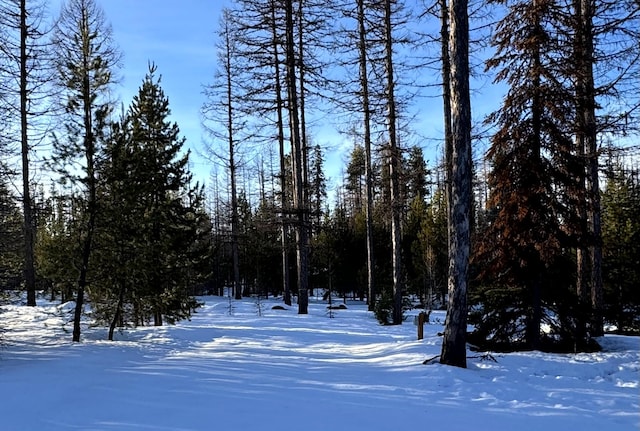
(283, 371)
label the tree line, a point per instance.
(533, 249)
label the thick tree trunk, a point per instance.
(590, 284)
(583, 270)
(454, 341)
(27, 204)
(366, 109)
(446, 104)
(394, 171)
(157, 318)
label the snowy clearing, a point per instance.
(283, 371)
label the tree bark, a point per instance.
(366, 110)
(583, 267)
(454, 341)
(232, 166)
(446, 104)
(91, 214)
(302, 238)
(588, 120)
(27, 204)
(394, 170)
(117, 316)
(283, 174)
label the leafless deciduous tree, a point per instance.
(25, 77)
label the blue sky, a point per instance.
(179, 37)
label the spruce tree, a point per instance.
(170, 206)
(532, 181)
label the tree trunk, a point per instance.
(117, 316)
(394, 171)
(588, 118)
(366, 109)
(583, 270)
(27, 204)
(157, 318)
(454, 341)
(89, 151)
(232, 169)
(302, 238)
(283, 177)
(446, 104)
(304, 145)
(86, 249)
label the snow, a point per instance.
(283, 371)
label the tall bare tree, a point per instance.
(279, 107)
(86, 59)
(221, 108)
(366, 127)
(297, 152)
(454, 341)
(24, 88)
(395, 158)
(605, 66)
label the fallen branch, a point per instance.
(485, 357)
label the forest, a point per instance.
(524, 224)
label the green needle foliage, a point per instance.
(153, 226)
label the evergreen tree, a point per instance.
(11, 240)
(416, 175)
(57, 245)
(170, 216)
(621, 240)
(85, 61)
(119, 266)
(531, 184)
(317, 186)
(432, 243)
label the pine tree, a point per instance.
(85, 60)
(170, 206)
(119, 268)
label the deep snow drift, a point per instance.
(283, 371)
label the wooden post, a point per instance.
(421, 318)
